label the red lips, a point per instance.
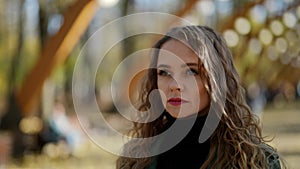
(176, 101)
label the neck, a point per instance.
(202, 113)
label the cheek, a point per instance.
(161, 84)
(162, 87)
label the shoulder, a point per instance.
(272, 156)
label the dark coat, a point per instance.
(272, 156)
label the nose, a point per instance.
(176, 85)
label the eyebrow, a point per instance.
(190, 64)
(184, 65)
(163, 66)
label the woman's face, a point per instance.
(181, 87)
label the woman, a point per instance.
(193, 70)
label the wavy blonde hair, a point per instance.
(237, 141)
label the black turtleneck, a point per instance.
(188, 153)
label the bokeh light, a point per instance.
(55, 22)
(107, 3)
(289, 19)
(242, 26)
(265, 36)
(258, 14)
(50, 150)
(31, 125)
(281, 44)
(231, 37)
(276, 27)
(56, 150)
(255, 46)
(206, 7)
(292, 37)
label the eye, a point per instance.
(192, 72)
(163, 73)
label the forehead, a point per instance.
(176, 50)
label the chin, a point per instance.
(183, 115)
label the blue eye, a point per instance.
(192, 72)
(163, 73)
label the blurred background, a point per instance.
(40, 41)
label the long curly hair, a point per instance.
(237, 142)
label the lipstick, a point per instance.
(176, 101)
